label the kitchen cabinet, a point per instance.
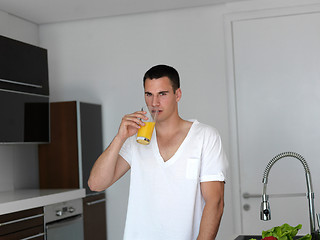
(24, 92)
(76, 142)
(27, 224)
(94, 209)
(66, 162)
(24, 67)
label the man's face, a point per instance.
(159, 93)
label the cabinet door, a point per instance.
(22, 224)
(24, 67)
(58, 161)
(90, 125)
(94, 213)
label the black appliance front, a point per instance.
(24, 118)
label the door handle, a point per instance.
(21, 83)
(34, 236)
(21, 219)
(277, 195)
(96, 202)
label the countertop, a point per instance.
(18, 200)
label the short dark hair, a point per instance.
(160, 71)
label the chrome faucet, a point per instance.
(265, 212)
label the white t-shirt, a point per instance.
(165, 200)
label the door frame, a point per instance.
(252, 11)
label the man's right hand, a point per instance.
(130, 124)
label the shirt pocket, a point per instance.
(193, 168)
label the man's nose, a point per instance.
(155, 101)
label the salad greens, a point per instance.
(284, 232)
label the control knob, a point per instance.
(59, 213)
(71, 209)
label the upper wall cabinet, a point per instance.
(23, 67)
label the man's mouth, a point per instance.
(156, 110)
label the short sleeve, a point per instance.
(126, 150)
(214, 162)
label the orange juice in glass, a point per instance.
(145, 132)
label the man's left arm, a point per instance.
(213, 194)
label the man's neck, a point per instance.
(169, 126)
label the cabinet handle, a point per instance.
(21, 219)
(34, 236)
(21, 83)
(96, 202)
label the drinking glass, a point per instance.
(145, 132)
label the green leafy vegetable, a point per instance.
(284, 232)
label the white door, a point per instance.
(276, 64)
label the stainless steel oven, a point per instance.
(64, 220)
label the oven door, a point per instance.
(66, 229)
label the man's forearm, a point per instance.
(210, 220)
(103, 171)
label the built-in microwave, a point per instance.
(24, 93)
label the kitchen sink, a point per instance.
(248, 237)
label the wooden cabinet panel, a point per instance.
(17, 221)
(58, 161)
(94, 212)
(36, 233)
(22, 224)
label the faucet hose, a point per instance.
(282, 155)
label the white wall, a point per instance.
(18, 163)
(103, 61)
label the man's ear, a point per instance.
(178, 94)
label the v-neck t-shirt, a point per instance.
(165, 200)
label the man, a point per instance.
(177, 181)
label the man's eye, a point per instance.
(163, 94)
(148, 94)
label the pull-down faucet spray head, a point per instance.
(265, 212)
